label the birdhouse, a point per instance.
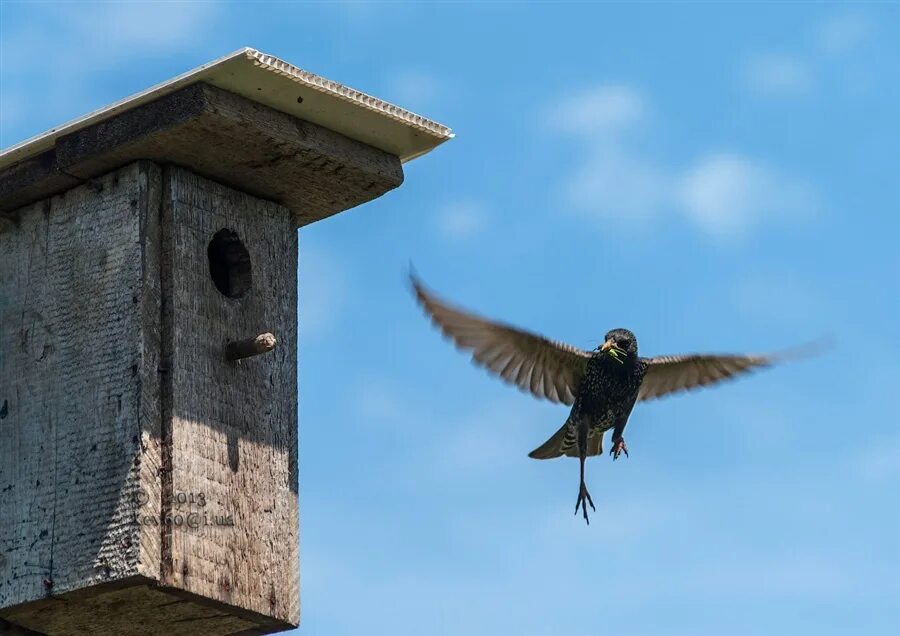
(148, 359)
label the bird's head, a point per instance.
(619, 343)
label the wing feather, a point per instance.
(548, 369)
(671, 374)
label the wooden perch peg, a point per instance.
(250, 346)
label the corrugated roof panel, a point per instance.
(268, 80)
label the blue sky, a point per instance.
(714, 177)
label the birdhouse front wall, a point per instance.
(233, 430)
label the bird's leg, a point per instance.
(584, 497)
(618, 442)
(618, 447)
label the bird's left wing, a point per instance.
(548, 369)
(670, 374)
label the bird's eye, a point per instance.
(624, 344)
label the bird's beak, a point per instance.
(612, 349)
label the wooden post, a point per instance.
(148, 421)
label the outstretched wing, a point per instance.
(670, 374)
(548, 369)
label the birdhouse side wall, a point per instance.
(79, 416)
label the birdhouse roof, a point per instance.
(275, 83)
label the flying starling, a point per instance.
(601, 386)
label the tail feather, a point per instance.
(564, 442)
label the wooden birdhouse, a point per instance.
(148, 359)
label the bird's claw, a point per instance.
(584, 499)
(618, 448)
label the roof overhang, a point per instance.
(275, 83)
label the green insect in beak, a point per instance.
(613, 351)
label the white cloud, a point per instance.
(146, 24)
(613, 182)
(778, 75)
(723, 194)
(842, 33)
(600, 110)
(74, 44)
(88, 38)
(461, 219)
(727, 195)
(616, 184)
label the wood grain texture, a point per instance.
(150, 396)
(10, 629)
(30, 180)
(233, 424)
(117, 403)
(72, 369)
(249, 347)
(312, 170)
(134, 607)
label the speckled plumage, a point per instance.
(603, 400)
(602, 386)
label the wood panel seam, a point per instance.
(167, 336)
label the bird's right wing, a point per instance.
(548, 369)
(670, 374)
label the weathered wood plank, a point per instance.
(71, 367)
(116, 397)
(314, 171)
(30, 180)
(135, 607)
(150, 398)
(233, 423)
